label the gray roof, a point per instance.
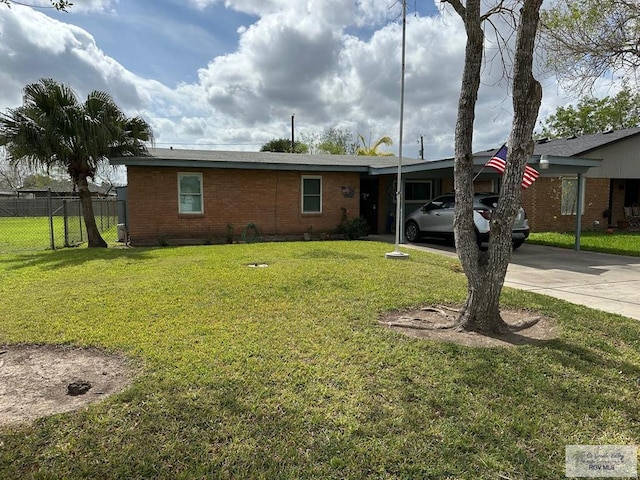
(164, 157)
(575, 146)
(170, 157)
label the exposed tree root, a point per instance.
(456, 323)
(439, 309)
(436, 322)
(524, 324)
(410, 325)
(502, 328)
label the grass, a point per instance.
(283, 372)
(24, 234)
(619, 243)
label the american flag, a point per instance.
(499, 162)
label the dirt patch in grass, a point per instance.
(428, 322)
(35, 380)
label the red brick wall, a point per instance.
(269, 199)
(543, 204)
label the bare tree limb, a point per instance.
(61, 5)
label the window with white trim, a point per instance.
(190, 200)
(569, 203)
(311, 194)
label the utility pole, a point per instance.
(293, 143)
(421, 147)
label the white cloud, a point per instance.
(33, 45)
(335, 12)
(299, 57)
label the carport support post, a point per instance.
(576, 246)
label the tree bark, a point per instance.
(94, 239)
(486, 270)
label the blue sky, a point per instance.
(228, 74)
(162, 39)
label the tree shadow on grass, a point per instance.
(72, 257)
(567, 375)
(586, 360)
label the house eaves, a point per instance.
(556, 164)
(439, 168)
(374, 166)
(254, 160)
(413, 166)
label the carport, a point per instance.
(441, 172)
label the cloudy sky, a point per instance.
(228, 74)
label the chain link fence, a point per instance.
(28, 224)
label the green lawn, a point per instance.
(24, 234)
(620, 242)
(18, 234)
(284, 373)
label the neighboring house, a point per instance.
(193, 196)
(64, 189)
(608, 187)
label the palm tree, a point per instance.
(372, 150)
(53, 129)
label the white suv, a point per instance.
(435, 219)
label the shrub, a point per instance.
(353, 228)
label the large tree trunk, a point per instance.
(94, 239)
(486, 270)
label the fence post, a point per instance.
(66, 223)
(80, 220)
(50, 207)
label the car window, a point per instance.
(490, 202)
(448, 202)
(434, 205)
(441, 202)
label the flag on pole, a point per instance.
(499, 162)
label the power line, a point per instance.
(204, 144)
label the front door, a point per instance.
(369, 202)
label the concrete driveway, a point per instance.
(598, 280)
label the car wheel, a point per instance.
(517, 244)
(412, 232)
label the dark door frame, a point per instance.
(369, 201)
